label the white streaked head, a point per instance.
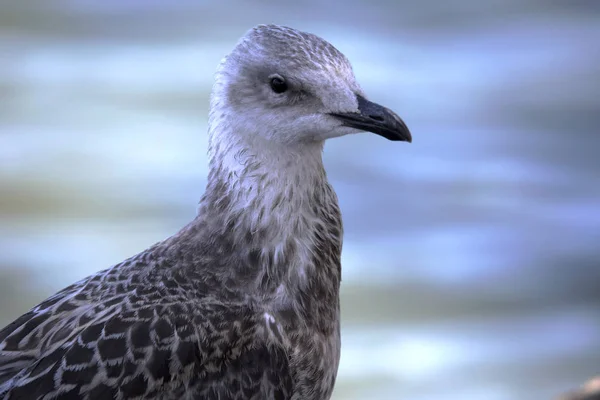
(281, 84)
(284, 86)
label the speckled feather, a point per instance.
(243, 302)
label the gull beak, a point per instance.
(372, 117)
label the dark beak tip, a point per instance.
(398, 132)
(372, 117)
(404, 137)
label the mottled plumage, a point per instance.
(243, 302)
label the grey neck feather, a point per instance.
(273, 207)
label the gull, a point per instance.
(243, 302)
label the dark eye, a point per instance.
(278, 84)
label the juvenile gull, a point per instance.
(243, 302)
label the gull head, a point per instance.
(280, 85)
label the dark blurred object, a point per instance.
(589, 391)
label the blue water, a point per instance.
(470, 256)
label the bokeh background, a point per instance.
(471, 259)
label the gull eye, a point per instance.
(278, 84)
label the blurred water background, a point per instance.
(471, 257)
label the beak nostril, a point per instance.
(376, 117)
